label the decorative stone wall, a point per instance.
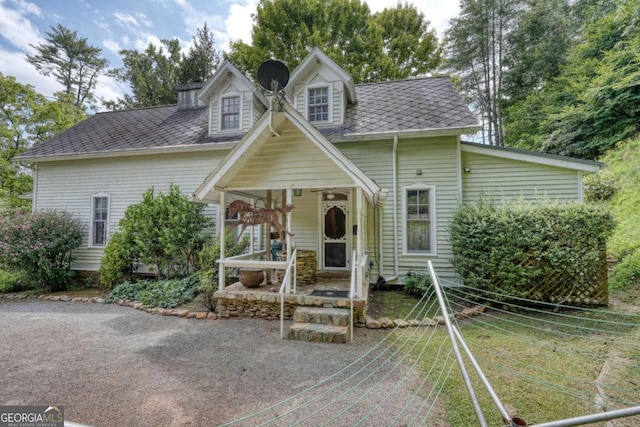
(306, 266)
(266, 305)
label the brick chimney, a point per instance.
(187, 99)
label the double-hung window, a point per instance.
(230, 115)
(99, 220)
(419, 219)
(318, 104)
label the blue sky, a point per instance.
(120, 24)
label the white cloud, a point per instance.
(14, 63)
(27, 7)
(112, 46)
(238, 23)
(126, 20)
(194, 18)
(16, 27)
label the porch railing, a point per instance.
(352, 293)
(286, 286)
(249, 260)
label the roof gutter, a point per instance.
(215, 146)
(411, 133)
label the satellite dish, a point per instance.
(273, 75)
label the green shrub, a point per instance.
(513, 247)
(40, 244)
(208, 273)
(600, 187)
(120, 260)
(416, 284)
(627, 273)
(11, 282)
(168, 293)
(128, 291)
(165, 231)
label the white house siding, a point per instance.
(69, 185)
(437, 159)
(305, 220)
(247, 115)
(338, 97)
(290, 161)
(500, 178)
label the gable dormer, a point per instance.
(235, 103)
(321, 90)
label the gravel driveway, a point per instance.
(116, 366)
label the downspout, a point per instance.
(394, 174)
(34, 193)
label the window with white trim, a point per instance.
(99, 229)
(318, 104)
(230, 113)
(419, 219)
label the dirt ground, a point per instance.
(116, 366)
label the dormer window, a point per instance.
(230, 113)
(318, 108)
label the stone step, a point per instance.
(322, 315)
(319, 333)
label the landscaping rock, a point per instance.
(400, 323)
(415, 322)
(201, 315)
(372, 323)
(386, 323)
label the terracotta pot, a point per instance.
(251, 277)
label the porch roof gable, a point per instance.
(220, 178)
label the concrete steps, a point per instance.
(319, 324)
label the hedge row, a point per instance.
(516, 247)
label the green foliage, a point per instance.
(594, 102)
(511, 247)
(161, 293)
(74, 63)
(202, 60)
(626, 274)
(152, 75)
(416, 284)
(165, 232)
(209, 271)
(40, 245)
(600, 187)
(129, 291)
(395, 43)
(11, 281)
(622, 173)
(120, 260)
(26, 118)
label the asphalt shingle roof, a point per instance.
(394, 106)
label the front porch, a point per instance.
(264, 302)
(280, 293)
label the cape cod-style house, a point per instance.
(374, 170)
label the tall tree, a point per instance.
(476, 48)
(26, 118)
(542, 33)
(71, 61)
(595, 100)
(346, 31)
(153, 75)
(409, 46)
(202, 59)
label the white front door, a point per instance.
(335, 226)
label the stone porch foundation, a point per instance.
(266, 305)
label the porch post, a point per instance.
(360, 241)
(288, 222)
(222, 214)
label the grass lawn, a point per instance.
(548, 366)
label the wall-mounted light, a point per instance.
(419, 172)
(466, 170)
(297, 192)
